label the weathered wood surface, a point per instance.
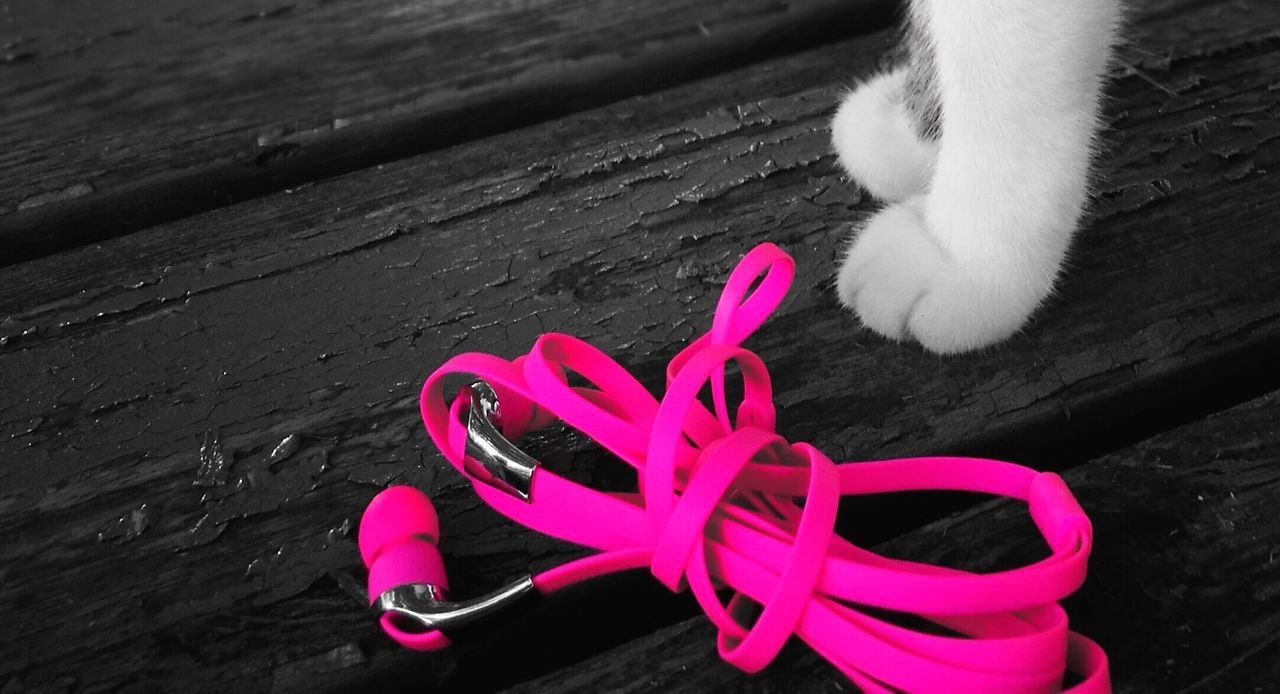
(128, 368)
(111, 120)
(1183, 589)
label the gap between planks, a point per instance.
(179, 124)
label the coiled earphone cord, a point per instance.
(718, 507)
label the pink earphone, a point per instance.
(717, 508)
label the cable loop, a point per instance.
(724, 501)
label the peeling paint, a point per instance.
(128, 526)
(255, 490)
(215, 463)
(295, 566)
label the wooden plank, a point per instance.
(117, 120)
(1183, 589)
(133, 364)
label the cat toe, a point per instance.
(889, 267)
(877, 140)
(903, 286)
(961, 313)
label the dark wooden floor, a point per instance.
(236, 236)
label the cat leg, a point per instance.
(878, 141)
(964, 264)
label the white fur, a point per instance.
(877, 142)
(965, 264)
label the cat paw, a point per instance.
(903, 286)
(877, 141)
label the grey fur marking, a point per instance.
(922, 98)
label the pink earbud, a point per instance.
(397, 538)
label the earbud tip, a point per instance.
(396, 514)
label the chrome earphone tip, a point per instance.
(421, 607)
(510, 469)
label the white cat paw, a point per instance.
(877, 141)
(903, 286)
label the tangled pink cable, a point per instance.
(718, 506)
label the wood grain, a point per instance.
(1183, 588)
(194, 414)
(115, 119)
